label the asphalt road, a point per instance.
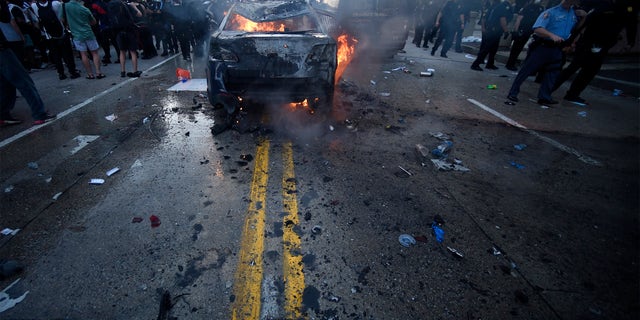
(296, 215)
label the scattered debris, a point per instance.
(405, 171)
(136, 220)
(582, 114)
(373, 83)
(492, 87)
(436, 225)
(96, 181)
(617, 92)
(56, 196)
(385, 94)
(32, 165)
(111, 117)
(440, 135)
(516, 165)
(316, 229)
(155, 221)
(442, 150)
(520, 146)
(6, 302)
(333, 298)
(443, 165)
(495, 251)
(8, 189)
(183, 74)
(112, 171)
(455, 252)
(406, 240)
(8, 231)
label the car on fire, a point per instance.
(271, 51)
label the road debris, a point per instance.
(516, 165)
(56, 196)
(443, 165)
(6, 302)
(183, 74)
(405, 171)
(520, 146)
(385, 94)
(442, 150)
(440, 136)
(436, 225)
(8, 189)
(455, 252)
(112, 117)
(492, 86)
(582, 114)
(406, 240)
(8, 231)
(32, 165)
(155, 221)
(617, 92)
(96, 181)
(112, 171)
(136, 220)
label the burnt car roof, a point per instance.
(269, 10)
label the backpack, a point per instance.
(120, 17)
(49, 20)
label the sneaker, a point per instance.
(476, 67)
(576, 100)
(123, 74)
(9, 121)
(46, 119)
(513, 98)
(62, 76)
(546, 102)
(134, 74)
(444, 55)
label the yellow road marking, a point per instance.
(292, 264)
(248, 277)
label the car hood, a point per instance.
(271, 10)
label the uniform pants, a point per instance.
(516, 49)
(488, 48)
(588, 63)
(541, 58)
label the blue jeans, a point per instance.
(13, 76)
(541, 58)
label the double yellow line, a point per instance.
(249, 274)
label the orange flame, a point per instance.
(346, 49)
(240, 23)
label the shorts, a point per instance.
(86, 45)
(127, 40)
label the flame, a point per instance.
(304, 104)
(346, 49)
(240, 23)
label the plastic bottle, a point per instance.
(442, 149)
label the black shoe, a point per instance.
(476, 67)
(491, 67)
(123, 74)
(459, 50)
(106, 61)
(546, 102)
(433, 53)
(426, 46)
(512, 68)
(9, 121)
(134, 74)
(513, 98)
(47, 118)
(164, 54)
(443, 55)
(62, 76)
(75, 75)
(417, 45)
(576, 100)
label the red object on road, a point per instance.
(155, 221)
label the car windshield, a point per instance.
(302, 23)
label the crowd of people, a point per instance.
(36, 34)
(585, 30)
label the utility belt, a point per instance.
(537, 41)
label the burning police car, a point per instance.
(270, 51)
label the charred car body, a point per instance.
(270, 51)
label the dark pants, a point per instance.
(184, 39)
(488, 48)
(541, 58)
(107, 39)
(13, 76)
(446, 34)
(589, 64)
(516, 49)
(59, 50)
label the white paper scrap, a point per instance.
(112, 171)
(96, 181)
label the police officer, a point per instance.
(601, 29)
(523, 28)
(551, 29)
(494, 25)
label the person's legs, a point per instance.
(66, 52)
(448, 40)
(530, 65)
(587, 73)
(493, 44)
(14, 73)
(7, 90)
(134, 60)
(552, 69)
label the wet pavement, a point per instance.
(546, 232)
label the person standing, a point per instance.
(449, 20)
(80, 20)
(13, 76)
(180, 18)
(494, 25)
(123, 24)
(523, 29)
(57, 39)
(551, 29)
(602, 26)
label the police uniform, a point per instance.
(544, 54)
(491, 36)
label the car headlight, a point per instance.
(222, 54)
